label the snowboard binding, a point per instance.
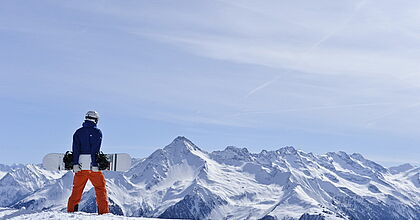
(68, 160)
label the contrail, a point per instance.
(373, 120)
(262, 86)
(337, 29)
(312, 47)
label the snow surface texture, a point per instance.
(16, 214)
(184, 181)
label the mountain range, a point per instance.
(184, 181)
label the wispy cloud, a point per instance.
(314, 66)
(353, 50)
(314, 108)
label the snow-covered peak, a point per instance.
(24, 180)
(401, 168)
(30, 176)
(342, 160)
(161, 163)
(238, 150)
(288, 150)
(232, 155)
(181, 144)
(368, 163)
(340, 154)
(4, 169)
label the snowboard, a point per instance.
(113, 162)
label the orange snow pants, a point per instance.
(98, 181)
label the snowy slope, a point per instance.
(2, 174)
(183, 181)
(16, 214)
(24, 181)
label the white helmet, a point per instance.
(92, 116)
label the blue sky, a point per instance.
(318, 75)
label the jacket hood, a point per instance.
(88, 123)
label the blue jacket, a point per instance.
(87, 140)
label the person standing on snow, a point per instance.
(87, 140)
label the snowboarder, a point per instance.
(87, 140)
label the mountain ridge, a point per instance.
(183, 181)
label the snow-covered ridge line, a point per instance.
(182, 180)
